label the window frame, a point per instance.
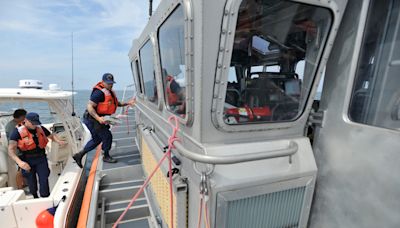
(381, 38)
(136, 77)
(222, 72)
(188, 50)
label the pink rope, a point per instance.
(200, 211)
(171, 140)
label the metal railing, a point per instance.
(224, 159)
(122, 110)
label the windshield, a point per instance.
(276, 51)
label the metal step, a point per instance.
(135, 212)
(124, 141)
(118, 194)
(123, 204)
(130, 173)
(126, 148)
(123, 162)
(126, 155)
(121, 184)
(124, 129)
(133, 223)
(122, 133)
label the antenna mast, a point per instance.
(150, 8)
(72, 76)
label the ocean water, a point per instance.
(81, 99)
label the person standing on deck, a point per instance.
(31, 139)
(103, 102)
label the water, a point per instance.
(81, 99)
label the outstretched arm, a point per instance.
(130, 102)
(55, 138)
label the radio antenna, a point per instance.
(72, 74)
(150, 8)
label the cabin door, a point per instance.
(357, 146)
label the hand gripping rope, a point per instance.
(126, 116)
(173, 121)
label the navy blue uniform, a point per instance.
(37, 160)
(100, 132)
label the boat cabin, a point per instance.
(241, 77)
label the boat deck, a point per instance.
(121, 181)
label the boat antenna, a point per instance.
(150, 8)
(72, 74)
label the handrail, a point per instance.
(123, 96)
(234, 159)
(213, 159)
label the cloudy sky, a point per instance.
(35, 40)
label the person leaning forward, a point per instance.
(31, 139)
(103, 102)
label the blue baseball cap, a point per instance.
(33, 117)
(108, 78)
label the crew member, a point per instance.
(18, 117)
(175, 95)
(103, 102)
(31, 139)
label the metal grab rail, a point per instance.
(213, 159)
(123, 97)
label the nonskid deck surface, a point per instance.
(122, 180)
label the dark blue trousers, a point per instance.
(100, 134)
(39, 167)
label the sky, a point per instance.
(35, 40)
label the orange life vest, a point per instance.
(26, 143)
(173, 99)
(110, 103)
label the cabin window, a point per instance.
(172, 54)
(375, 97)
(148, 73)
(136, 78)
(276, 51)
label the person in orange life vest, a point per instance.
(103, 102)
(175, 95)
(31, 139)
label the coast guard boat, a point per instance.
(238, 140)
(249, 145)
(252, 148)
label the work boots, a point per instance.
(107, 158)
(78, 159)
